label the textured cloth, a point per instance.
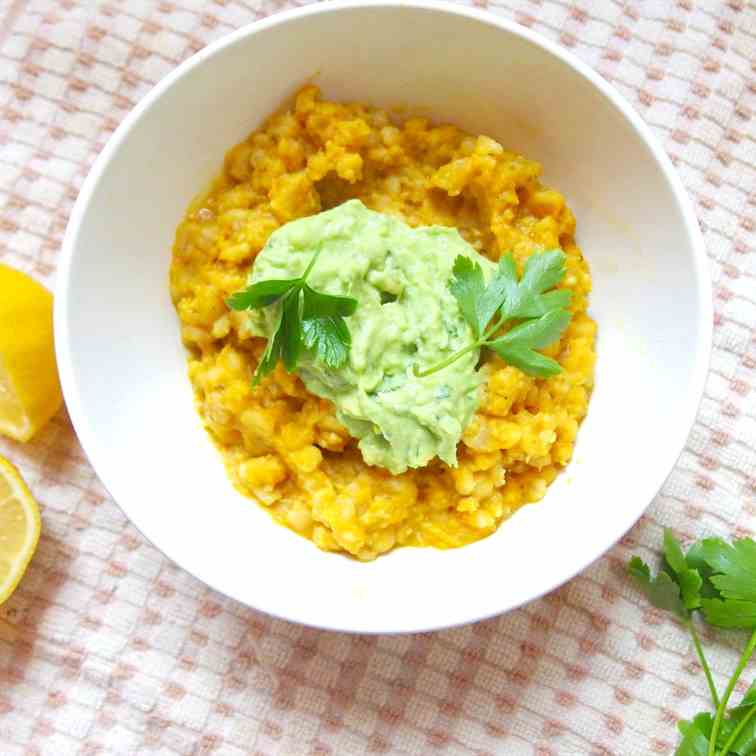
(108, 648)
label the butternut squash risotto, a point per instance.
(283, 446)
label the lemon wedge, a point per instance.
(29, 387)
(19, 528)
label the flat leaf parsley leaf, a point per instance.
(688, 580)
(662, 591)
(261, 294)
(330, 339)
(307, 319)
(734, 565)
(540, 315)
(467, 286)
(517, 346)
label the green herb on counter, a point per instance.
(307, 319)
(539, 311)
(717, 580)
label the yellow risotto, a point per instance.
(283, 446)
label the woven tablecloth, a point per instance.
(109, 648)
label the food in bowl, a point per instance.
(323, 457)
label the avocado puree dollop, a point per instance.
(406, 317)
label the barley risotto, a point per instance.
(284, 446)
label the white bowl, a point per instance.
(123, 367)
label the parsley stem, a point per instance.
(704, 664)
(736, 732)
(475, 345)
(745, 657)
(448, 361)
(310, 265)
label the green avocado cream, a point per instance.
(406, 317)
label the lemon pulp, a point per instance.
(19, 528)
(29, 387)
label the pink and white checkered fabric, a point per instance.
(108, 648)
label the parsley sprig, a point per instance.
(717, 580)
(306, 320)
(539, 310)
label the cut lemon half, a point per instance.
(19, 528)
(29, 387)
